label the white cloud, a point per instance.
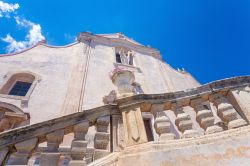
(33, 37)
(6, 8)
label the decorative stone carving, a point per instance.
(204, 116)
(110, 98)
(79, 144)
(23, 153)
(123, 79)
(134, 130)
(226, 111)
(163, 126)
(183, 121)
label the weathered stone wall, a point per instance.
(225, 149)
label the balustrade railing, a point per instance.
(189, 114)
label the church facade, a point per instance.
(108, 100)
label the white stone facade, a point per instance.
(76, 77)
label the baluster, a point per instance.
(101, 139)
(24, 150)
(226, 111)
(52, 156)
(79, 144)
(184, 122)
(163, 126)
(204, 116)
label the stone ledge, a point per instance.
(180, 143)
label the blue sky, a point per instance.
(209, 38)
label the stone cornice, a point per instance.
(86, 37)
(220, 85)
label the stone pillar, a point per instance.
(79, 144)
(183, 121)
(118, 133)
(134, 129)
(163, 127)
(24, 150)
(226, 111)
(204, 116)
(102, 136)
(51, 156)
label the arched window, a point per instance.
(19, 84)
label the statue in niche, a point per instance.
(126, 56)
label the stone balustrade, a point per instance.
(102, 136)
(191, 113)
(15, 151)
(204, 116)
(163, 126)
(226, 111)
(183, 121)
(79, 144)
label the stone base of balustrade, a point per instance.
(213, 129)
(190, 134)
(77, 163)
(99, 153)
(166, 136)
(49, 159)
(236, 123)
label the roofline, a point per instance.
(87, 36)
(43, 43)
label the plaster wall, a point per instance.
(54, 66)
(76, 77)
